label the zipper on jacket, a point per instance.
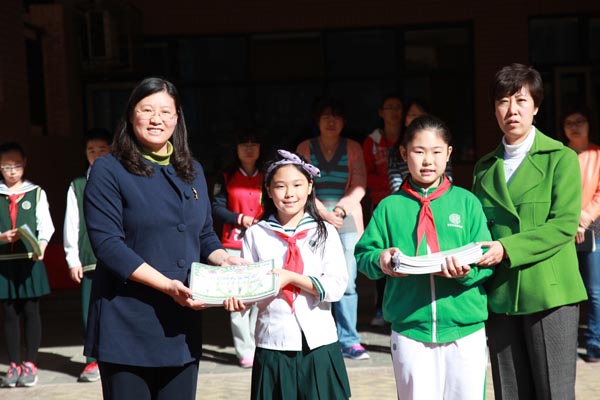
(433, 296)
(433, 310)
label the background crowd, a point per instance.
(542, 236)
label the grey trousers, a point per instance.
(534, 356)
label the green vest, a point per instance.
(86, 255)
(25, 215)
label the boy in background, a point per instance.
(79, 254)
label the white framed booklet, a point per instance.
(248, 282)
(27, 235)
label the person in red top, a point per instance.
(376, 148)
(237, 204)
(377, 145)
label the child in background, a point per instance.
(237, 204)
(397, 168)
(297, 350)
(376, 148)
(80, 257)
(438, 339)
(23, 278)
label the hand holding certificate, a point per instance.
(248, 282)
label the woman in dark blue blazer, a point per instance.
(148, 216)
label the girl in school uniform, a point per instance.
(236, 203)
(438, 339)
(23, 278)
(298, 355)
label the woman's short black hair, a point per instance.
(390, 95)
(582, 109)
(511, 78)
(328, 104)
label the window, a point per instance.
(570, 67)
(272, 80)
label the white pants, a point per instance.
(440, 371)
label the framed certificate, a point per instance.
(248, 282)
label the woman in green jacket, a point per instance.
(529, 192)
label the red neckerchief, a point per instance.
(293, 262)
(13, 208)
(426, 224)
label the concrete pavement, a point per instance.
(60, 359)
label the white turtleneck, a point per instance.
(514, 154)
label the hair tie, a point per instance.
(291, 158)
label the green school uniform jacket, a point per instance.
(428, 308)
(535, 217)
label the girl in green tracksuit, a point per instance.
(438, 339)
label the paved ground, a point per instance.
(60, 360)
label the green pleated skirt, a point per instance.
(23, 279)
(300, 375)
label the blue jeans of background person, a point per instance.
(589, 263)
(346, 310)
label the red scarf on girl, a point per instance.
(426, 224)
(13, 208)
(293, 262)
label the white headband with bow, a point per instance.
(291, 158)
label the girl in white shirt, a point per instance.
(297, 354)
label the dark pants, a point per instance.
(86, 291)
(29, 309)
(126, 382)
(534, 356)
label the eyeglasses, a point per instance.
(10, 168)
(332, 118)
(576, 123)
(146, 114)
(393, 108)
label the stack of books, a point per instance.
(433, 262)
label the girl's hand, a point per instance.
(453, 269)
(76, 274)
(233, 305)
(333, 218)
(9, 236)
(248, 221)
(580, 236)
(494, 255)
(285, 277)
(385, 262)
(43, 245)
(585, 220)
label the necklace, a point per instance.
(328, 150)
